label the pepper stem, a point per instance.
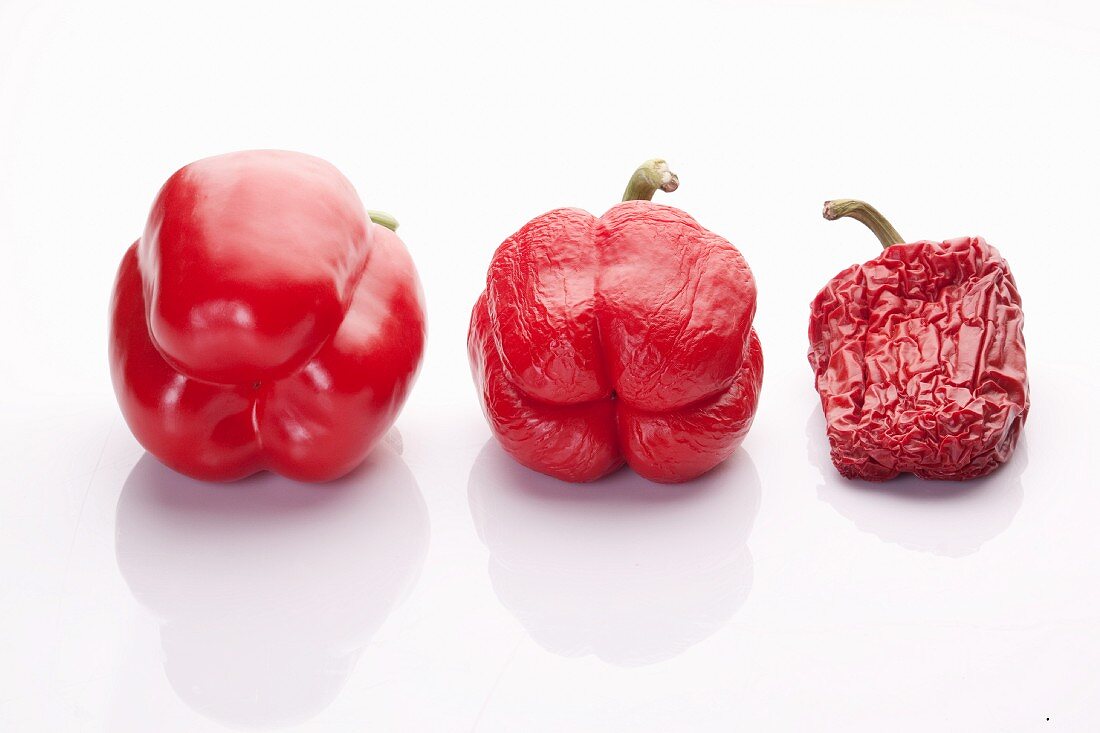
(383, 219)
(867, 215)
(650, 176)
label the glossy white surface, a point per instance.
(442, 587)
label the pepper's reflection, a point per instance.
(949, 518)
(630, 571)
(267, 590)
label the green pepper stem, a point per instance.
(865, 214)
(650, 176)
(383, 219)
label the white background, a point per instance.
(447, 589)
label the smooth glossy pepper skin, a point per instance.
(919, 361)
(625, 338)
(263, 322)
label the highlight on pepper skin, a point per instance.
(623, 339)
(264, 321)
(919, 357)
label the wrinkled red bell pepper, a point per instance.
(263, 321)
(919, 357)
(624, 338)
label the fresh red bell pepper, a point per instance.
(264, 321)
(621, 338)
(919, 357)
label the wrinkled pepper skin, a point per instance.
(919, 361)
(625, 338)
(263, 321)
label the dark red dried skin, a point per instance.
(626, 338)
(919, 360)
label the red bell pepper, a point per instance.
(919, 357)
(624, 338)
(264, 321)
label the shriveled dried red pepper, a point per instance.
(919, 357)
